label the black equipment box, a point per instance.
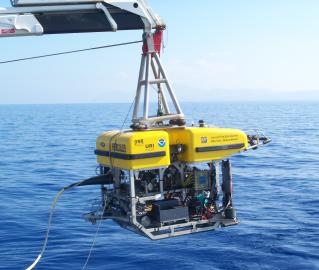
(168, 210)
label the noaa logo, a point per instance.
(203, 139)
(161, 142)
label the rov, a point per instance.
(160, 178)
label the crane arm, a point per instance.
(36, 17)
(41, 17)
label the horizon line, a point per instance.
(127, 102)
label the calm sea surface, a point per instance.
(45, 147)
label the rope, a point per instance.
(69, 52)
(111, 165)
(94, 239)
(56, 199)
(128, 113)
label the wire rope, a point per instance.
(70, 52)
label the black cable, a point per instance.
(97, 180)
(69, 52)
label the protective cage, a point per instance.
(166, 202)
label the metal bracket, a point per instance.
(257, 139)
(20, 25)
(151, 61)
(108, 16)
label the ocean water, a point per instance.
(45, 147)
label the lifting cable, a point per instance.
(69, 52)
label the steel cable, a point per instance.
(69, 52)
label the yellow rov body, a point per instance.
(207, 144)
(133, 150)
(165, 181)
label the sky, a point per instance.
(231, 50)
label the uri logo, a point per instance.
(161, 142)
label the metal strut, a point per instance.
(151, 64)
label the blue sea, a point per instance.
(46, 147)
